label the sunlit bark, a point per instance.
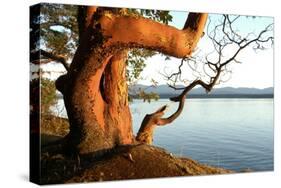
(95, 90)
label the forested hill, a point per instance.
(226, 92)
(165, 91)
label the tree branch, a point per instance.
(84, 17)
(171, 118)
(145, 33)
(219, 68)
(36, 59)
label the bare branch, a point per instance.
(171, 118)
(177, 73)
(215, 65)
(36, 58)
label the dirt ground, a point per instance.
(124, 162)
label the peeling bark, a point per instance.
(116, 97)
(150, 121)
(145, 33)
(95, 90)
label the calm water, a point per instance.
(235, 134)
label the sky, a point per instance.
(256, 69)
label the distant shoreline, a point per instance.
(222, 96)
(165, 91)
(216, 96)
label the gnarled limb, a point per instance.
(145, 33)
(218, 67)
(150, 121)
(145, 133)
(35, 58)
(95, 98)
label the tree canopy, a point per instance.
(108, 48)
(59, 31)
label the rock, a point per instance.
(121, 163)
(150, 162)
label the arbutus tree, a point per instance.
(108, 40)
(96, 98)
(95, 88)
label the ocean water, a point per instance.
(235, 134)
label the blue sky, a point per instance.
(247, 74)
(256, 69)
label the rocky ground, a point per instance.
(125, 162)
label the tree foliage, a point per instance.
(59, 38)
(148, 96)
(58, 28)
(47, 94)
(59, 35)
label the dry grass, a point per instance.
(124, 162)
(53, 125)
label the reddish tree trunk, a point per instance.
(96, 99)
(95, 90)
(116, 97)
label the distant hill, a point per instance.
(165, 91)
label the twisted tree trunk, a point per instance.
(150, 121)
(95, 90)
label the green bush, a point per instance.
(47, 96)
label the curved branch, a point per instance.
(150, 121)
(171, 118)
(145, 33)
(207, 87)
(35, 58)
(219, 68)
(257, 39)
